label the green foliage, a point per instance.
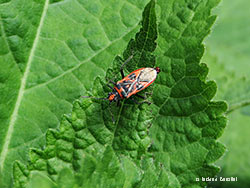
(228, 61)
(235, 90)
(88, 150)
(188, 122)
(230, 42)
(44, 70)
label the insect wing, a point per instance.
(128, 83)
(137, 80)
(146, 77)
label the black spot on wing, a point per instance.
(132, 76)
(124, 94)
(139, 86)
(126, 85)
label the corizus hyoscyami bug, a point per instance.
(131, 84)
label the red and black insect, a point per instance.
(131, 84)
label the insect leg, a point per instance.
(141, 102)
(121, 69)
(134, 100)
(94, 98)
(142, 97)
(113, 82)
(146, 94)
(110, 86)
(145, 101)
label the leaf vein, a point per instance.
(78, 65)
(14, 115)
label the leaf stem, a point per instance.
(237, 106)
(117, 121)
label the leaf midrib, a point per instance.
(14, 114)
(122, 103)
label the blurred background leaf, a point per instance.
(228, 56)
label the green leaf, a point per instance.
(235, 90)
(96, 150)
(181, 144)
(232, 87)
(230, 42)
(50, 54)
(228, 58)
(188, 123)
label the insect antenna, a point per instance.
(128, 60)
(95, 98)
